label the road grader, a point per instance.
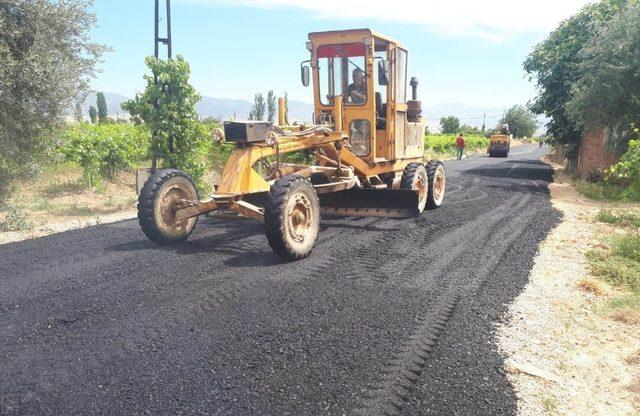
(366, 146)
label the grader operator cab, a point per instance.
(366, 141)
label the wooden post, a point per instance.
(282, 109)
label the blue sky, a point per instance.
(460, 51)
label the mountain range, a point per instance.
(227, 109)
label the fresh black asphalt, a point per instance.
(386, 317)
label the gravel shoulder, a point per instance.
(564, 355)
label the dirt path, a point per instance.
(564, 356)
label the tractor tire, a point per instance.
(292, 217)
(437, 184)
(156, 206)
(414, 177)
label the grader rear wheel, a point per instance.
(158, 202)
(414, 177)
(437, 184)
(292, 217)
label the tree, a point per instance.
(103, 113)
(467, 129)
(450, 125)
(78, 113)
(93, 114)
(168, 108)
(271, 106)
(258, 106)
(554, 64)
(607, 94)
(522, 122)
(46, 61)
(286, 107)
(252, 113)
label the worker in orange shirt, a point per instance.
(460, 146)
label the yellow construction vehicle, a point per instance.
(500, 142)
(366, 140)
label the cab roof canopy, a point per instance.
(364, 32)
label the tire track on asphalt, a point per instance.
(399, 379)
(450, 244)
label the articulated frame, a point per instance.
(240, 180)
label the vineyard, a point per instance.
(443, 145)
(103, 149)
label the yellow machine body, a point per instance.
(364, 145)
(499, 145)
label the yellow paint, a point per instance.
(500, 138)
(391, 149)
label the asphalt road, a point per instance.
(386, 317)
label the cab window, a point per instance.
(342, 72)
(402, 76)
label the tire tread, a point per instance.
(146, 205)
(274, 216)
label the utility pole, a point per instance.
(167, 39)
(156, 49)
(484, 122)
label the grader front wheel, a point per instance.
(414, 177)
(158, 202)
(292, 217)
(437, 184)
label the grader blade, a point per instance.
(371, 203)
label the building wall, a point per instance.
(594, 155)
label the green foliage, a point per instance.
(102, 149)
(555, 65)
(627, 246)
(93, 114)
(258, 108)
(219, 152)
(621, 181)
(521, 121)
(286, 107)
(101, 102)
(629, 219)
(15, 220)
(607, 93)
(470, 130)
(450, 125)
(621, 266)
(601, 190)
(446, 143)
(630, 301)
(627, 170)
(271, 106)
(167, 107)
(46, 61)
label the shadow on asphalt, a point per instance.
(230, 242)
(134, 246)
(254, 258)
(233, 233)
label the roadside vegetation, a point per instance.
(617, 262)
(586, 85)
(621, 182)
(47, 62)
(444, 145)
